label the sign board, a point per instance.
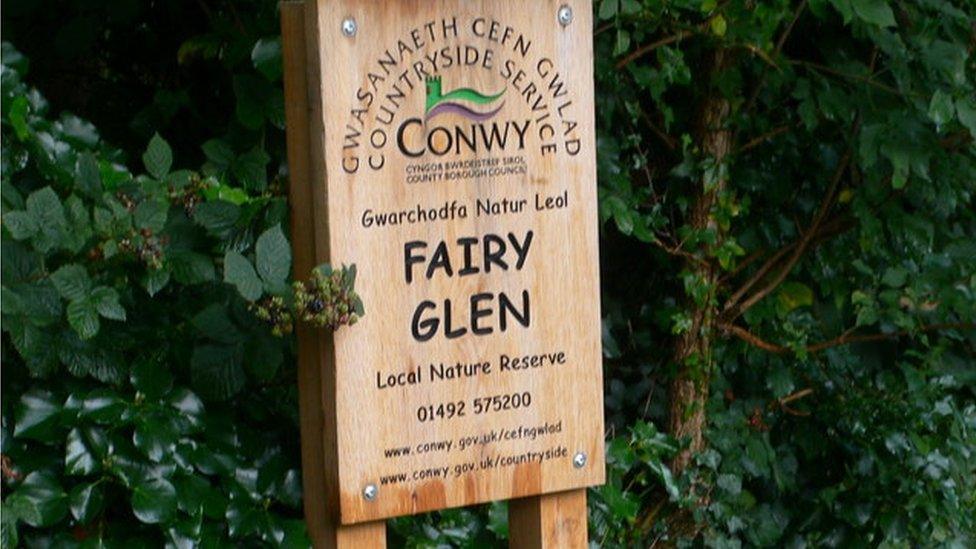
(460, 174)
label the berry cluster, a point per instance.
(273, 311)
(188, 196)
(327, 300)
(145, 245)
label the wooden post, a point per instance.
(316, 369)
(550, 521)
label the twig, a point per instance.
(796, 396)
(783, 403)
(764, 137)
(749, 260)
(789, 28)
(779, 49)
(834, 72)
(643, 50)
(801, 247)
(755, 50)
(603, 28)
(669, 141)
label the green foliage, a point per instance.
(147, 399)
(115, 320)
(840, 407)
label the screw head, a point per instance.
(349, 27)
(370, 492)
(579, 460)
(565, 15)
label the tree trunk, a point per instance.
(692, 354)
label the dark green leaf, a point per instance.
(266, 57)
(151, 214)
(150, 376)
(87, 501)
(78, 458)
(20, 224)
(239, 272)
(46, 498)
(273, 256)
(72, 281)
(154, 501)
(158, 157)
(876, 12)
(107, 303)
(83, 318)
(217, 370)
(36, 415)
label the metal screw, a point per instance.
(579, 460)
(349, 27)
(565, 16)
(370, 492)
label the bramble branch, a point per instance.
(846, 338)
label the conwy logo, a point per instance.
(470, 132)
(439, 103)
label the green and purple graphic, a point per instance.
(441, 103)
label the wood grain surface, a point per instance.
(519, 268)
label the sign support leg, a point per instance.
(315, 362)
(549, 521)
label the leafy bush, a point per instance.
(789, 268)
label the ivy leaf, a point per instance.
(158, 157)
(36, 415)
(154, 501)
(45, 498)
(941, 108)
(795, 294)
(239, 272)
(273, 254)
(876, 12)
(608, 8)
(83, 317)
(87, 501)
(266, 57)
(718, 25)
(966, 109)
(622, 43)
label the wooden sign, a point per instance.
(458, 156)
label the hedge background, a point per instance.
(788, 253)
